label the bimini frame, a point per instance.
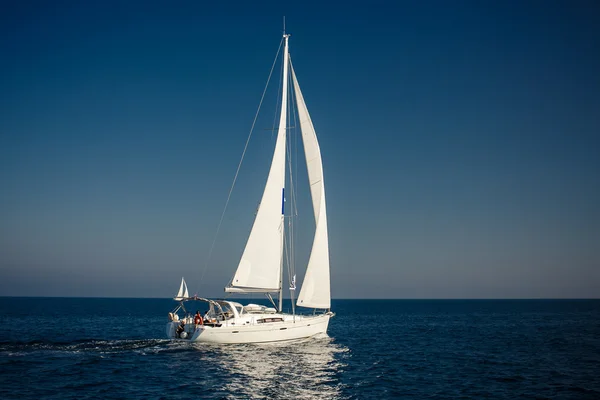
(181, 305)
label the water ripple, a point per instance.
(404, 349)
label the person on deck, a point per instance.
(181, 327)
(198, 319)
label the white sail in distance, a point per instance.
(259, 269)
(316, 290)
(183, 291)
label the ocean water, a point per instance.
(69, 348)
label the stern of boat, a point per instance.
(171, 330)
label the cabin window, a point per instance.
(266, 320)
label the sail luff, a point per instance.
(315, 291)
(260, 264)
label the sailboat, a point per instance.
(183, 291)
(260, 269)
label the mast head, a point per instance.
(285, 35)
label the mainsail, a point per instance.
(183, 291)
(259, 269)
(315, 292)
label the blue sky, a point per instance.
(460, 142)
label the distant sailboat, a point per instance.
(183, 291)
(260, 269)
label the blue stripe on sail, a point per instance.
(282, 201)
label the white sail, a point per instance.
(315, 291)
(183, 291)
(260, 266)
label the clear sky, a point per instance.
(461, 144)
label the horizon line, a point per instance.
(340, 298)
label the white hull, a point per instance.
(245, 329)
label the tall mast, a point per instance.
(283, 123)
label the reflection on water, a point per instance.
(301, 370)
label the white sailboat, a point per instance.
(260, 269)
(183, 291)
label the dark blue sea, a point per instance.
(74, 348)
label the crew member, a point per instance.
(198, 319)
(181, 327)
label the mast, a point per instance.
(283, 122)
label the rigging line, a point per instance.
(293, 187)
(292, 147)
(240, 163)
(289, 159)
(294, 227)
(296, 122)
(289, 239)
(290, 258)
(294, 219)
